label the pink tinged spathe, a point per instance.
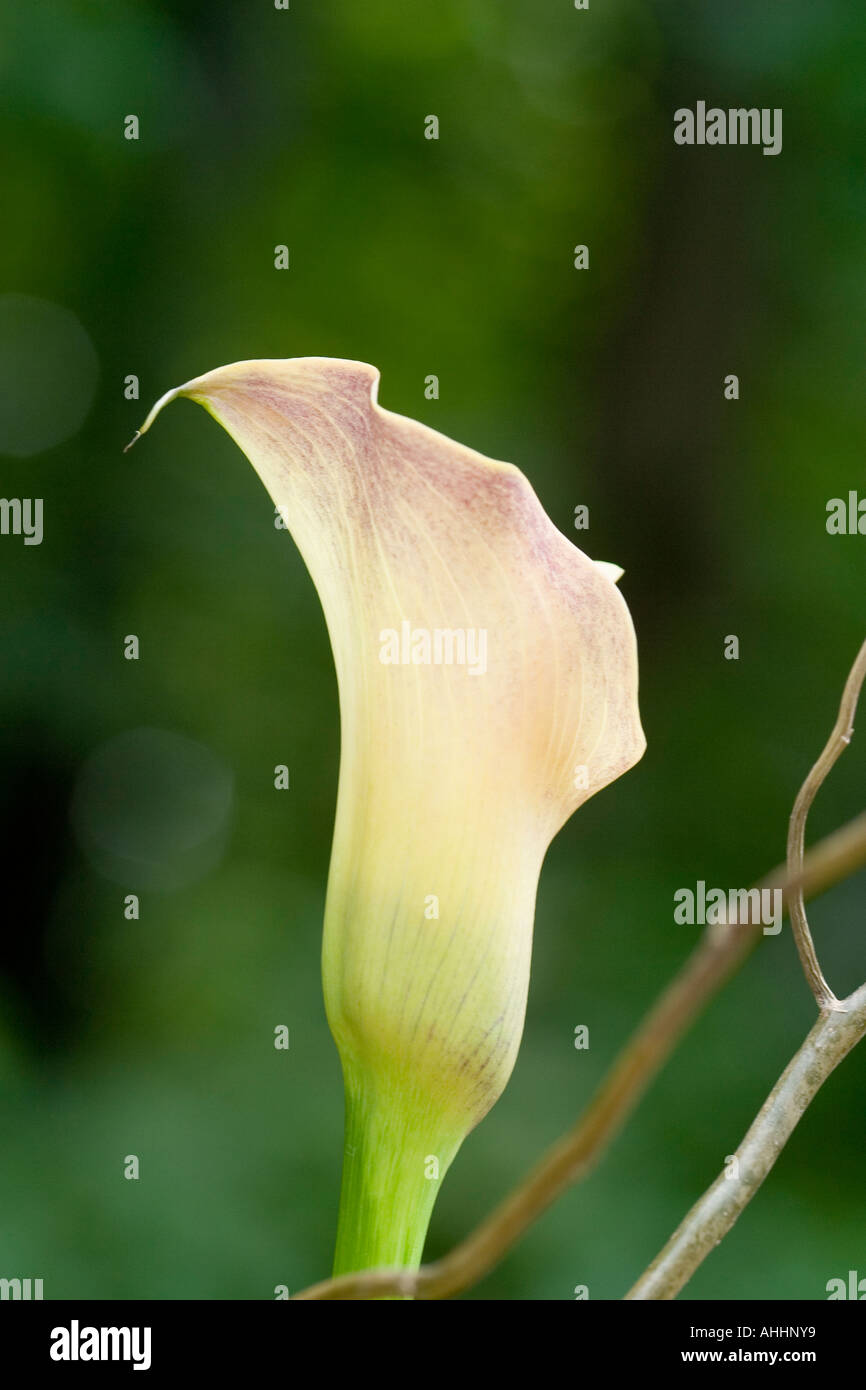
(453, 779)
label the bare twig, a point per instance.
(831, 1039)
(836, 745)
(720, 951)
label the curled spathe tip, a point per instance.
(154, 411)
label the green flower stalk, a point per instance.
(487, 672)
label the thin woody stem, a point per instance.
(835, 746)
(829, 1042)
(721, 950)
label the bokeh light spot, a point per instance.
(48, 372)
(151, 809)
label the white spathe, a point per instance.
(452, 781)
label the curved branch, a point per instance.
(835, 746)
(830, 1041)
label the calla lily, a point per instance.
(487, 673)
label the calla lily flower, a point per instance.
(487, 674)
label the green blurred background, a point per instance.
(305, 127)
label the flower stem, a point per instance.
(396, 1154)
